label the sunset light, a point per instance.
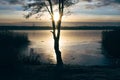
(59, 39)
(56, 16)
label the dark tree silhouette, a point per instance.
(39, 6)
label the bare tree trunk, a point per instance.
(58, 53)
(56, 44)
(57, 50)
(56, 36)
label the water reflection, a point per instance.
(77, 47)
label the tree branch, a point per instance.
(61, 7)
(48, 10)
(52, 16)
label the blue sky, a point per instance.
(84, 11)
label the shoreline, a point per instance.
(62, 28)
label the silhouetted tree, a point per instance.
(39, 6)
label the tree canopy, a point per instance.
(38, 6)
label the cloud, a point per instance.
(90, 3)
(102, 3)
(99, 2)
(11, 1)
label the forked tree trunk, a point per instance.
(56, 44)
(56, 36)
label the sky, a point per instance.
(11, 11)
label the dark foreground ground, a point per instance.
(49, 72)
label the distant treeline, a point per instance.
(63, 28)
